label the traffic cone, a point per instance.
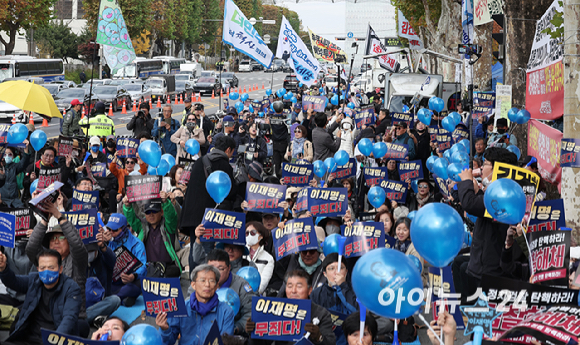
(245, 89)
(14, 118)
(168, 99)
(83, 113)
(212, 94)
(158, 102)
(221, 93)
(262, 85)
(111, 109)
(63, 113)
(150, 104)
(44, 122)
(135, 105)
(181, 99)
(30, 120)
(124, 110)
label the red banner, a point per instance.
(545, 92)
(544, 144)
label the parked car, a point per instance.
(275, 66)
(124, 81)
(139, 92)
(207, 85)
(63, 98)
(256, 66)
(183, 88)
(7, 112)
(245, 66)
(55, 88)
(230, 78)
(207, 74)
(113, 95)
(286, 68)
(184, 77)
(68, 83)
(291, 83)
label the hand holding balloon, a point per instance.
(447, 322)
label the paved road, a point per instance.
(211, 105)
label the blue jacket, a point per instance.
(194, 328)
(102, 268)
(405, 139)
(136, 247)
(168, 146)
(64, 306)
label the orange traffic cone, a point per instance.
(30, 120)
(44, 122)
(212, 94)
(181, 99)
(83, 113)
(150, 104)
(63, 113)
(111, 109)
(14, 118)
(124, 110)
(221, 93)
(262, 85)
(158, 102)
(135, 105)
(245, 89)
(168, 99)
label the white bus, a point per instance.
(24, 67)
(141, 68)
(171, 65)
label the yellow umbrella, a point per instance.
(30, 97)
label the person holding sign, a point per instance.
(54, 171)
(399, 135)
(53, 300)
(9, 186)
(164, 128)
(203, 310)
(130, 165)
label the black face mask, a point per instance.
(179, 200)
(421, 130)
(111, 145)
(501, 130)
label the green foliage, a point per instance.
(274, 12)
(556, 32)
(74, 75)
(19, 15)
(414, 11)
(57, 40)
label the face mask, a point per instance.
(95, 149)
(121, 235)
(485, 182)
(8, 159)
(75, 154)
(48, 277)
(92, 256)
(190, 125)
(252, 240)
(346, 126)
(111, 145)
(332, 229)
(179, 200)
(501, 130)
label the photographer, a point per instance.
(163, 128)
(142, 121)
(204, 124)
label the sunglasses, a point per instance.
(297, 131)
(130, 162)
(423, 186)
(251, 232)
(151, 212)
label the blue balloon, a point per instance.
(283, 91)
(461, 159)
(437, 233)
(330, 164)
(411, 215)
(513, 114)
(415, 186)
(341, 157)
(290, 94)
(141, 334)
(447, 155)
(261, 114)
(319, 168)
(33, 186)
(17, 133)
(365, 146)
(334, 100)
(440, 168)
(244, 97)
(436, 104)
(505, 201)
(430, 161)
(449, 124)
(424, 115)
(405, 108)
(376, 196)
(230, 297)
(415, 259)
(457, 147)
(251, 109)
(239, 106)
(192, 146)
(169, 159)
(218, 185)
(234, 96)
(38, 139)
(456, 117)
(379, 150)
(332, 244)
(163, 168)
(268, 92)
(466, 144)
(377, 270)
(523, 117)
(350, 105)
(294, 99)
(286, 97)
(321, 90)
(150, 153)
(453, 171)
(514, 149)
(252, 276)
(151, 170)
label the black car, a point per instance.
(113, 95)
(291, 83)
(256, 66)
(230, 78)
(183, 88)
(207, 85)
(64, 97)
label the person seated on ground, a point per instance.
(221, 260)
(114, 326)
(297, 285)
(203, 309)
(158, 231)
(46, 161)
(351, 329)
(53, 300)
(256, 235)
(127, 288)
(130, 165)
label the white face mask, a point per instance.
(252, 240)
(346, 126)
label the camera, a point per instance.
(469, 49)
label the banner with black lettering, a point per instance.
(569, 149)
(397, 152)
(127, 147)
(408, 118)
(264, 197)
(186, 172)
(50, 194)
(345, 171)
(163, 295)
(550, 257)
(126, 263)
(323, 202)
(224, 226)
(297, 175)
(65, 146)
(443, 140)
(85, 221)
(365, 117)
(7, 233)
(547, 215)
(450, 298)
(56, 338)
(362, 237)
(22, 222)
(411, 170)
(374, 176)
(140, 188)
(298, 235)
(280, 319)
(395, 190)
(46, 177)
(99, 169)
(461, 132)
(316, 103)
(82, 200)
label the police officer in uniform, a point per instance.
(99, 125)
(70, 125)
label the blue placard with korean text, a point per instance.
(297, 175)
(316, 103)
(569, 149)
(163, 295)
(483, 104)
(264, 197)
(374, 176)
(54, 338)
(461, 132)
(408, 118)
(7, 229)
(127, 147)
(297, 235)
(99, 169)
(362, 237)
(398, 152)
(411, 170)
(85, 221)
(547, 215)
(224, 226)
(84, 200)
(395, 190)
(442, 184)
(323, 202)
(451, 298)
(280, 319)
(345, 171)
(443, 140)
(365, 116)
(433, 131)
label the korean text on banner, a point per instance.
(325, 49)
(65, 145)
(47, 176)
(85, 221)
(296, 54)
(544, 144)
(323, 202)
(316, 103)
(406, 31)
(22, 219)
(126, 263)
(241, 34)
(374, 176)
(7, 230)
(395, 190)
(569, 153)
(412, 170)
(224, 226)
(84, 200)
(127, 147)
(345, 171)
(483, 104)
(375, 46)
(362, 237)
(264, 197)
(483, 10)
(451, 299)
(550, 257)
(298, 235)
(54, 337)
(365, 117)
(280, 319)
(143, 187)
(163, 295)
(547, 215)
(297, 175)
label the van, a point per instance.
(245, 66)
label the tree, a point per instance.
(88, 50)
(22, 15)
(142, 44)
(57, 40)
(274, 12)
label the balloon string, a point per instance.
(216, 206)
(430, 328)
(442, 306)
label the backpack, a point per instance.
(407, 331)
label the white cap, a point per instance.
(95, 141)
(575, 253)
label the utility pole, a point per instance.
(571, 176)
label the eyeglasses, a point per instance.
(211, 282)
(297, 131)
(130, 162)
(423, 186)
(151, 212)
(190, 120)
(59, 238)
(251, 232)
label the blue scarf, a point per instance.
(298, 146)
(402, 246)
(228, 282)
(203, 308)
